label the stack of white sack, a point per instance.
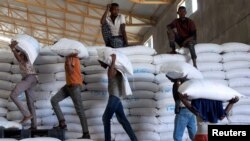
(164, 96)
(6, 85)
(236, 63)
(209, 61)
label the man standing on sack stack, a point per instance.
(185, 34)
(113, 27)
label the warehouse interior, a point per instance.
(222, 49)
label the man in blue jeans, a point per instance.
(183, 116)
(115, 80)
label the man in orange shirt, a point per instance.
(72, 89)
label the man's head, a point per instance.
(182, 12)
(178, 81)
(114, 9)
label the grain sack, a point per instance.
(5, 76)
(137, 50)
(148, 86)
(236, 56)
(15, 69)
(40, 139)
(29, 45)
(46, 78)
(94, 104)
(143, 77)
(50, 68)
(141, 94)
(93, 60)
(241, 110)
(236, 65)
(139, 119)
(16, 78)
(98, 86)
(141, 59)
(6, 85)
(209, 57)
(214, 75)
(235, 47)
(3, 112)
(143, 68)
(95, 121)
(166, 119)
(4, 94)
(95, 69)
(5, 67)
(43, 104)
(10, 124)
(238, 73)
(141, 135)
(100, 77)
(239, 82)
(46, 51)
(165, 58)
(6, 56)
(54, 86)
(139, 103)
(122, 62)
(46, 60)
(162, 95)
(179, 70)
(60, 76)
(94, 95)
(207, 47)
(209, 66)
(65, 47)
(143, 111)
(161, 78)
(243, 90)
(208, 90)
(163, 103)
(165, 87)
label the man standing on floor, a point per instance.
(73, 89)
(115, 89)
(113, 27)
(29, 80)
(184, 35)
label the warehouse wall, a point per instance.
(217, 21)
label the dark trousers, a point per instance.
(111, 41)
(115, 106)
(25, 86)
(75, 93)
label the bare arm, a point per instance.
(112, 71)
(230, 105)
(124, 35)
(15, 52)
(184, 100)
(103, 20)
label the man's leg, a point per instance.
(124, 122)
(117, 42)
(191, 48)
(59, 96)
(108, 114)
(21, 87)
(191, 126)
(30, 102)
(180, 124)
(106, 33)
(75, 94)
(171, 38)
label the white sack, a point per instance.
(46, 78)
(15, 69)
(4, 94)
(209, 66)
(99, 86)
(10, 124)
(243, 90)
(234, 47)
(209, 57)
(94, 95)
(50, 68)
(143, 111)
(53, 86)
(90, 61)
(180, 70)
(5, 67)
(122, 62)
(137, 50)
(239, 82)
(236, 56)
(60, 76)
(143, 68)
(141, 94)
(94, 104)
(166, 119)
(3, 112)
(236, 65)
(6, 57)
(29, 45)
(46, 60)
(214, 75)
(139, 119)
(143, 77)
(94, 69)
(93, 78)
(207, 47)
(165, 58)
(161, 78)
(6, 85)
(148, 86)
(16, 78)
(238, 73)
(208, 90)
(162, 95)
(40, 139)
(141, 59)
(5, 76)
(139, 103)
(166, 87)
(66, 47)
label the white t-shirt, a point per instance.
(115, 27)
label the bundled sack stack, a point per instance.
(209, 61)
(236, 63)
(164, 96)
(6, 83)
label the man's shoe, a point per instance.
(85, 136)
(25, 119)
(61, 127)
